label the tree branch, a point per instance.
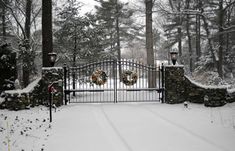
(36, 15)
(229, 5)
(14, 16)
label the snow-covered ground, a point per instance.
(24, 130)
(120, 127)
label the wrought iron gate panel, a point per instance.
(140, 91)
(80, 89)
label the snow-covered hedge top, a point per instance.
(28, 89)
(207, 86)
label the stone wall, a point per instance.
(22, 98)
(36, 93)
(180, 88)
(174, 91)
(53, 75)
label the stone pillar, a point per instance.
(53, 75)
(174, 79)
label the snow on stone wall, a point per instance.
(21, 98)
(180, 88)
(28, 89)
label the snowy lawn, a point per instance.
(120, 127)
(24, 130)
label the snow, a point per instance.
(231, 90)
(206, 86)
(51, 68)
(28, 89)
(107, 95)
(24, 130)
(1, 100)
(177, 65)
(120, 127)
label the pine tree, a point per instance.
(78, 36)
(115, 19)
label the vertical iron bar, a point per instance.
(65, 84)
(79, 81)
(50, 103)
(159, 82)
(115, 80)
(73, 77)
(69, 71)
(84, 74)
(163, 84)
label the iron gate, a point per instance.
(79, 88)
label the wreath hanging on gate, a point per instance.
(129, 77)
(99, 77)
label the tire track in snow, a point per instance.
(115, 137)
(157, 115)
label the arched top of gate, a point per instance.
(137, 64)
(94, 64)
(130, 63)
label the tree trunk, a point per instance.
(149, 43)
(206, 28)
(74, 58)
(198, 37)
(3, 21)
(47, 43)
(221, 40)
(28, 19)
(228, 34)
(179, 30)
(26, 62)
(189, 49)
(118, 40)
(179, 42)
(189, 40)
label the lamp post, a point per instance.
(52, 58)
(51, 89)
(174, 56)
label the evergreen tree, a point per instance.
(115, 19)
(7, 67)
(78, 36)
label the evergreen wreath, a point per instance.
(99, 77)
(129, 77)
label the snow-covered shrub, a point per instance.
(7, 67)
(208, 78)
(205, 63)
(206, 73)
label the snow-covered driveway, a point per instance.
(142, 127)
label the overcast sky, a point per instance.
(88, 5)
